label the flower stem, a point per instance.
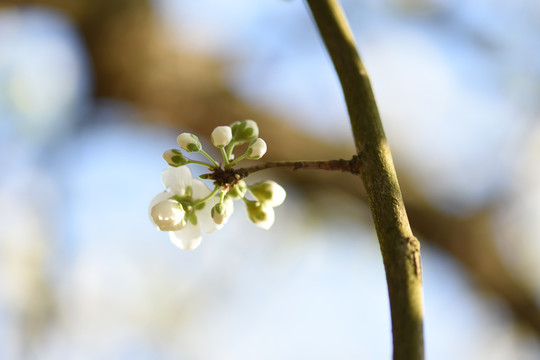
(225, 157)
(230, 149)
(240, 158)
(222, 196)
(211, 195)
(209, 158)
(210, 166)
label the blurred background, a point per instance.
(93, 92)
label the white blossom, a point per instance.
(222, 212)
(260, 213)
(188, 208)
(168, 215)
(252, 127)
(257, 149)
(268, 192)
(185, 190)
(221, 136)
(175, 158)
(245, 130)
(189, 142)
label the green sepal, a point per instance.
(238, 190)
(200, 206)
(262, 191)
(175, 158)
(193, 147)
(244, 131)
(255, 212)
(189, 142)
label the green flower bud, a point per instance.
(218, 214)
(268, 192)
(221, 136)
(175, 158)
(260, 214)
(256, 149)
(221, 211)
(189, 142)
(244, 131)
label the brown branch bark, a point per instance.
(400, 249)
(224, 176)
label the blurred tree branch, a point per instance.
(133, 61)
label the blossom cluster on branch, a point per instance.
(189, 208)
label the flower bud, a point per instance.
(244, 131)
(221, 136)
(189, 142)
(260, 214)
(222, 211)
(175, 158)
(257, 149)
(268, 192)
(238, 190)
(168, 215)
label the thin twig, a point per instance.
(351, 166)
(231, 176)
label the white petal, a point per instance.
(229, 206)
(177, 179)
(268, 192)
(200, 190)
(188, 238)
(278, 195)
(157, 199)
(269, 221)
(168, 215)
(253, 125)
(204, 217)
(189, 142)
(218, 215)
(257, 150)
(221, 136)
(228, 209)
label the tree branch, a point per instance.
(400, 249)
(351, 166)
(231, 176)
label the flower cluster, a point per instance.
(189, 208)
